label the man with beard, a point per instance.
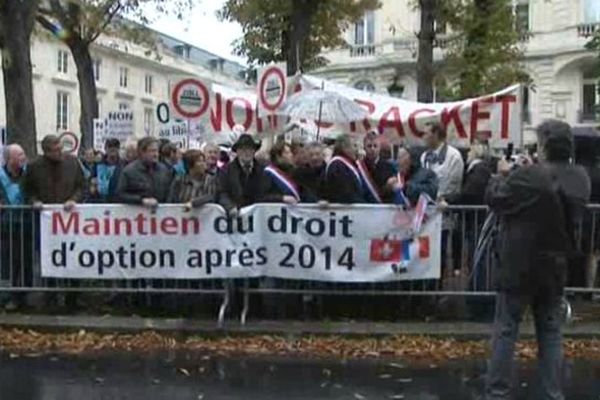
(239, 181)
(310, 176)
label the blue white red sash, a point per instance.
(348, 165)
(368, 183)
(283, 182)
(399, 196)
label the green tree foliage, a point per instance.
(17, 19)
(79, 23)
(484, 53)
(295, 31)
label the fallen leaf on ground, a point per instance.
(184, 371)
(359, 396)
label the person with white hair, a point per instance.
(15, 252)
(11, 175)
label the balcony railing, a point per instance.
(359, 51)
(587, 30)
(587, 116)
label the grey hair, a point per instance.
(6, 152)
(341, 143)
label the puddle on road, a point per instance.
(191, 376)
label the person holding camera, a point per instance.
(539, 208)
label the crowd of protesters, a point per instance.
(350, 170)
(150, 172)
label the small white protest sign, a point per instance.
(176, 132)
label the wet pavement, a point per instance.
(197, 377)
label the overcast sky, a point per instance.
(203, 29)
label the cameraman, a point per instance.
(539, 208)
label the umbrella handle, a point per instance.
(319, 120)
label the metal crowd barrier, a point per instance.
(20, 272)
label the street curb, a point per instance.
(112, 324)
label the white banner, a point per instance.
(361, 243)
(497, 115)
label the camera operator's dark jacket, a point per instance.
(539, 207)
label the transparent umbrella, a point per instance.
(322, 106)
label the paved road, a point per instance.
(179, 377)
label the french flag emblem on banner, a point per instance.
(391, 250)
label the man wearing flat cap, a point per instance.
(239, 182)
(540, 208)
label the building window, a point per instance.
(63, 62)
(148, 84)
(522, 16)
(365, 85)
(149, 120)
(590, 101)
(97, 66)
(123, 106)
(591, 11)
(123, 75)
(364, 29)
(62, 111)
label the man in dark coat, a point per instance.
(380, 170)
(477, 176)
(239, 182)
(310, 176)
(343, 183)
(54, 177)
(413, 180)
(145, 181)
(540, 207)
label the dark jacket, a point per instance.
(342, 186)
(420, 180)
(271, 192)
(184, 189)
(311, 180)
(54, 182)
(476, 180)
(381, 171)
(236, 189)
(539, 208)
(139, 181)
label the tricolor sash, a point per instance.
(368, 183)
(348, 165)
(399, 196)
(283, 181)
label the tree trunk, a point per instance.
(302, 13)
(425, 69)
(16, 24)
(87, 91)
